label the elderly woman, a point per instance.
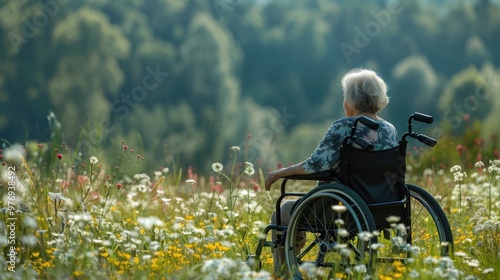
(365, 94)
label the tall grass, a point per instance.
(96, 218)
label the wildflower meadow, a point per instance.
(136, 135)
(68, 216)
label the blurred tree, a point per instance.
(492, 91)
(25, 28)
(234, 70)
(417, 31)
(295, 63)
(86, 50)
(454, 30)
(476, 52)
(413, 88)
(466, 98)
(208, 58)
(491, 31)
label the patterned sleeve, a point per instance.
(326, 156)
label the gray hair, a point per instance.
(365, 90)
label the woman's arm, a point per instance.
(275, 175)
(324, 157)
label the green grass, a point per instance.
(95, 218)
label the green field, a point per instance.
(64, 220)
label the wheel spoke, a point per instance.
(328, 248)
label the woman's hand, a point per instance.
(272, 177)
(275, 175)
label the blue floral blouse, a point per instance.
(327, 154)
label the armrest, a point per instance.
(325, 175)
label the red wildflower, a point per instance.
(64, 185)
(217, 188)
(479, 141)
(461, 149)
(82, 180)
(59, 156)
(94, 196)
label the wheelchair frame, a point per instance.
(345, 238)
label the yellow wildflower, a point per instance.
(159, 254)
(211, 247)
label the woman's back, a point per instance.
(327, 155)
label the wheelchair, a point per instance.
(366, 214)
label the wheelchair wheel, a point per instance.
(430, 229)
(428, 235)
(329, 231)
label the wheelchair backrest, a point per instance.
(377, 176)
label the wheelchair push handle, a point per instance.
(426, 140)
(420, 137)
(419, 117)
(364, 144)
(373, 125)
